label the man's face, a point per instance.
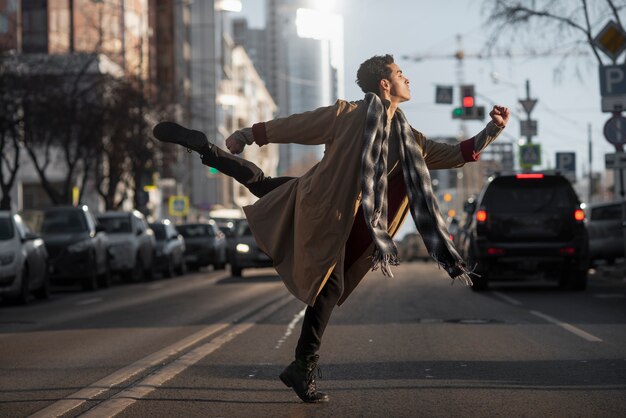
(399, 89)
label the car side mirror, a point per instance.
(469, 207)
(139, 231)
(29, 236)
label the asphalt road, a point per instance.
(208, 345)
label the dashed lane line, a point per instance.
(507, 298)
(568, 327)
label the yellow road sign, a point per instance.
(178, 205)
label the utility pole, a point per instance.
(590, 189)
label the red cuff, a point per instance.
(260, 136)
(467, 151)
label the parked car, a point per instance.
(77, 247)
(606, 236)
(23, 261)
(131, 244)
(205, 244)
(528, 225)
(170, 249)
(244, 252)
(411, 248)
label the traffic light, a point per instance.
(467, 96)
(468, 110)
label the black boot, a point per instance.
(300, 376)
(177, 134)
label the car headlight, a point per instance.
(242, 248)
(6, 258)
(79, 246)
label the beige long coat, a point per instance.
(304, 224)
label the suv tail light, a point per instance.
(529, 176)
(481, 215)
(579, 215)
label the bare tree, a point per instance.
(566, 26)
(62, 124)
(126, 149)
(10, 136)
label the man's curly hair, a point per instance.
(372, 71)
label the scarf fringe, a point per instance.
(384, 262)
(458, 271)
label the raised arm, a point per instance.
(438, 155)
(309, 128)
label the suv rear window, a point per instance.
(510, 194)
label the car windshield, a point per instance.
(58, 221)
(116, 225)
(244, 229)
(192, 231)
(510, 195)
(6, 229)
(159, 231)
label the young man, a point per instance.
(327, 229)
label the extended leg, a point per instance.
(243, 171)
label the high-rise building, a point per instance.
(302, 65)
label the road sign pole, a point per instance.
(621, 192)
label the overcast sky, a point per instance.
(401, 27)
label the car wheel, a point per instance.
(182, 267)
(574, 280)
(44, 290)
(235, 270)
(148, 273)
(104, 280)
(90, 282)
(24, 296)
(137, 272)
(169, 268)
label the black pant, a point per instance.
(317, 316)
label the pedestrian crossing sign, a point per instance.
(178, 205)
(529, 155)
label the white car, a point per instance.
(23, 260)
(131, 244)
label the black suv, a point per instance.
(527, 225)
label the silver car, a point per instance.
(23, 260)
(131, 244)
(604, 225)
(170, 249)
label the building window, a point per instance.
(4, 24)
(35, 26)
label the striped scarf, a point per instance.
(422, 200)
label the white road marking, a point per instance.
(89, 301)
(76, 399)
(297, 317)
(127, 397)
(508, 299)
(567, 327)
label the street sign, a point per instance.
(615, 160)
(613, 87)
(443, 94)
(528, 104)
(615, 130)
(528, 127)
(178, 205)
(611, 40)
(566, 163)
(529, 155)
